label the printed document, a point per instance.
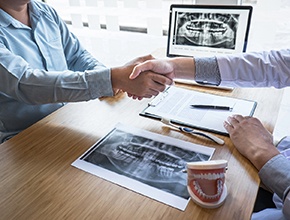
(176, 104)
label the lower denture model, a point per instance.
(206, 182)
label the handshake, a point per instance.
(146, 76)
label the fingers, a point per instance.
(228, 127)
(138, 69)
(233, 122)
(163, 67)
(163, 80)
(236, 121)
(138, 97)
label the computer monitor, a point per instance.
(207, 30)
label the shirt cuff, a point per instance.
(275, 175)
(99, 82)
(207, 71)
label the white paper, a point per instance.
(175, 104)
(145, 162)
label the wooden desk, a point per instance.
(37, 180)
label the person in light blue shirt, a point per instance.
(43, 66)
(250, 137)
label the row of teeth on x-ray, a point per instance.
(209, 29)
(148, 155)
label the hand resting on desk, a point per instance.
(251, 139)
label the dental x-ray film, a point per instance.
(208, 30)
(145, 162)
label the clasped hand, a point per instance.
(146, 85)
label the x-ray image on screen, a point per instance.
(215, 30)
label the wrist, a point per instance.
(260, 158)
(184, 67)
(118, 78)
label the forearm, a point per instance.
(184, 68)
(118, 78)
(34, 86)
(259, 157)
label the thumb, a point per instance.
(136, 72)
(142, 67)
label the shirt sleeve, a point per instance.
(207, 71)
(256, 69)
(81, 78)
(36, 86)
(278, 167)
(286, 209)
(275, 175)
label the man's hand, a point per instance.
(164, 67)
(172, 68)
(179, 67)
(251, 139)
(148, 84)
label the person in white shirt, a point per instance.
(250, 137)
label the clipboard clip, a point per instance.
(158, 99)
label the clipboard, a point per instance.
(175, 104)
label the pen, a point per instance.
(214, 107)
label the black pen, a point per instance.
(214, 107)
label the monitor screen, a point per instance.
(206, 30)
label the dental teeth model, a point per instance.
(206, 182)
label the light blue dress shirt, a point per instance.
(43, 67)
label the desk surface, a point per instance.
(37, 180)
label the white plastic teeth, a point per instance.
(208, 176)
(203, 195)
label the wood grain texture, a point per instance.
(37, 180)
